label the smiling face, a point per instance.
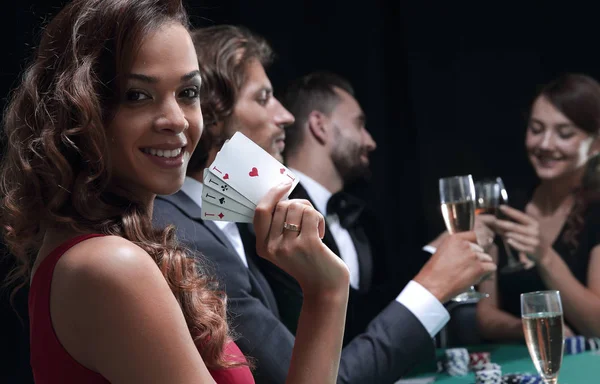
(158, 120)
(258, 114)
(555, 145)
(352, 142)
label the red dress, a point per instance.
(52, 364)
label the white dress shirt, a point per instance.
(430, 248)
(193, 188)
(430, 312)
(320, 196)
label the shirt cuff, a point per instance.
(430, 248)
(430, 312)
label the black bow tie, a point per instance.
(347, 207)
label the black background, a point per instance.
(446, 85)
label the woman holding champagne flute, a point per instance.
(557, 226)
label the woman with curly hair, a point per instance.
(105, 118)
(556, 228)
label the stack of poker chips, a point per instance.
(478, 359)
(457, 361)
(512, 378)
(574, 345)
(593, 344)
(488, 373)
(579, 344)
(516, 378)
(488, 377)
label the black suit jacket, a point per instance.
(251, 306)
(364, 303)
(392, 343)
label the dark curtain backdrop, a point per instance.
(446, 87)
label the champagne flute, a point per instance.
(513, 264)
(487, 193)
(542, 317)
(457, 197)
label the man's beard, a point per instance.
(346, 160)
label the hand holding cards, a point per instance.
(240, 176)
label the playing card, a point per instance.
(217, 184)
(249, 169)
(216, 213)
(215, 197)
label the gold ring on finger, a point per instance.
(291, 227)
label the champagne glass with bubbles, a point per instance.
(542, 317)
(457, 197)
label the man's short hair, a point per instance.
(312, 92)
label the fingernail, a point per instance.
(285, 184)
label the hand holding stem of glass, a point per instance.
(542, 317)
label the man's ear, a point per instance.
(318, 125)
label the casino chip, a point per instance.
(512, 378)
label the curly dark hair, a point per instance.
(577, 96)
(57, 168)
(223, 53)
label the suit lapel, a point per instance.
(249, 242)
(359, 238)
(186, 205)
(300, 193)
(212, 227)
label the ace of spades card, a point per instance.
(240, 176)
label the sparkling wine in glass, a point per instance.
(457, 197)
(487, 193)
(542, 317)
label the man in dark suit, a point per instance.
(328, 147)
(236, 95)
